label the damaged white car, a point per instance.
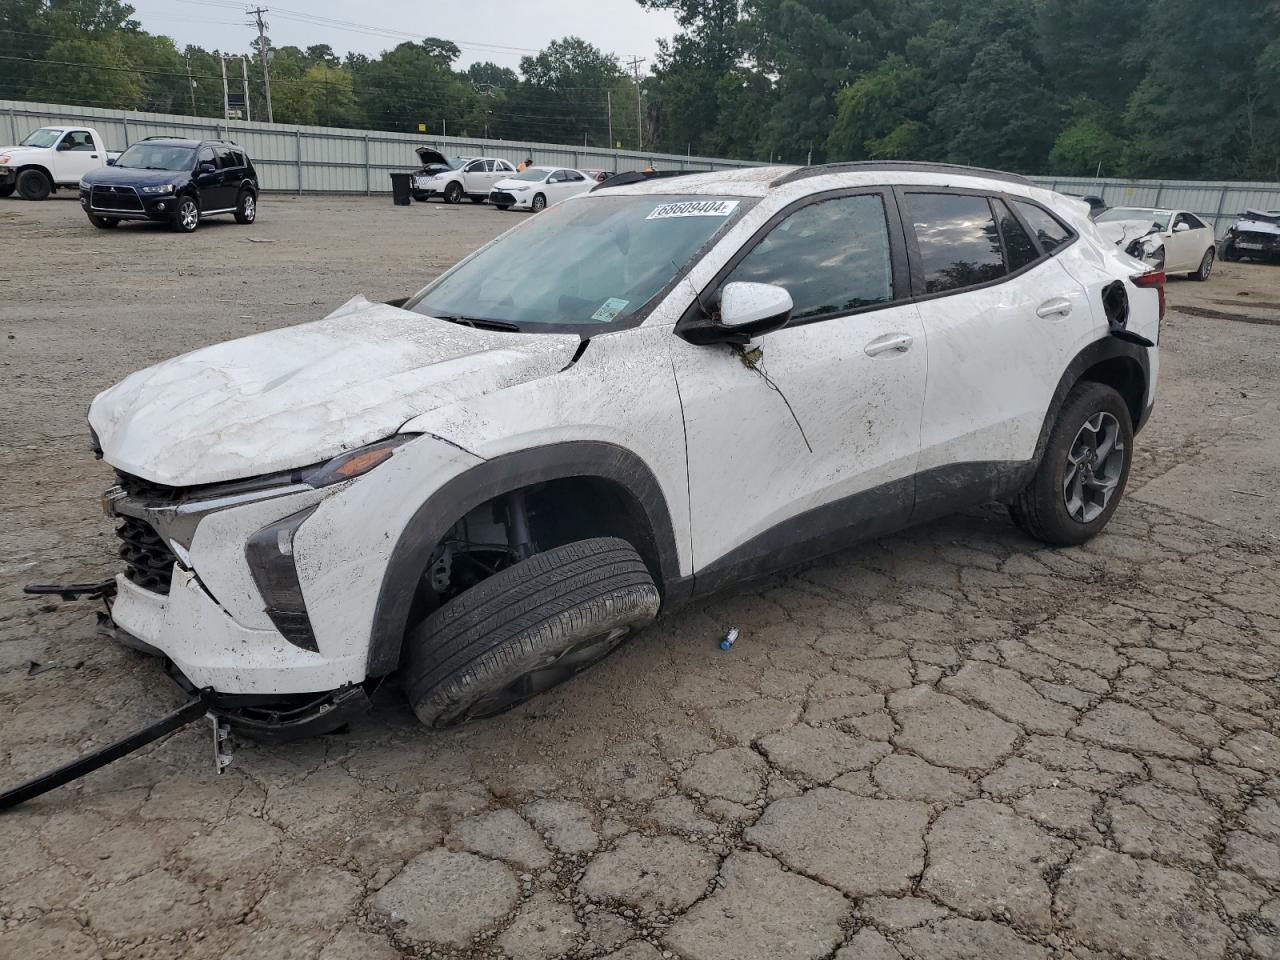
(653, 391)
(1255, 235)
(1175, 241)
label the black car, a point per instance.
(174, 180)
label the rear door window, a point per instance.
(1048, 229)
(957, 238)
(1019, 250)
(226, 158)
(832, 256)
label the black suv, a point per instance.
(167, 178)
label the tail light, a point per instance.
(1155, 279)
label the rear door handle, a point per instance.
(1057, 307)
(900, 342)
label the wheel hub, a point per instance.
(1095, 464)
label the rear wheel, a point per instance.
(1206, 267)
(539, 203)
(1082, 474)
(246, 207)
(104, 223)
(33, 185)
(526, 629)
(453, 193)
(187, 217)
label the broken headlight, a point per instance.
(270, 556)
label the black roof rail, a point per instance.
(640, 176)
(163, 136)
(898, 166)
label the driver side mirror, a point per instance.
(747, 310)
(206, 166)
(64, 145)
(111, 161)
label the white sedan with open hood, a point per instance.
(1176, 240)
(536, 188)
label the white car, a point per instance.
(664, 388)
(471, 177)
(1175, 240)
(537, 187)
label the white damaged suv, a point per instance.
(647, 393)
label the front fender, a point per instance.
(485, 481)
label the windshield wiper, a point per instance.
(479, 323)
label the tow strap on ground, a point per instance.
(190, 711)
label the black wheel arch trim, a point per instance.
(1099, 351)
(483, 482)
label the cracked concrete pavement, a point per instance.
(949, 744)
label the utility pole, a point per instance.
(635, 68)
(608, 99)
(226, 107)
(262, 52)
(244, 79)
(191, 86)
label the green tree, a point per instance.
(89, 71)
(1086, 148)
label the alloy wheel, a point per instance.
(1095, 464)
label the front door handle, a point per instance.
(900, 342)
(1057, 307)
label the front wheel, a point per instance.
(33, 185)
(1083, 472)
(1229, 252)
(539, 203)
(526, 629)
(104, 223)
(1206, 267)
(187, 217)
(247, 208)
(453, 193)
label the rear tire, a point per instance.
(525, 630)
(1206, 267)
(104, 223)
(33, 185)
(1082, 475)
(247, 207)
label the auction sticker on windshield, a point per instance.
(694, 208)
(609, 309)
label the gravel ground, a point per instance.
(949, 744)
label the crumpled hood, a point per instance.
(299, 395)
(1257, 226)
(1122, 232)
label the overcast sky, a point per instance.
(497, 30)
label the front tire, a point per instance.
(1206, 267)
(247, 207)
(1082, 475)
(539, 203)
(104, 223)
(33, 185)
(187, 217)
(453, 193)
(526, 629)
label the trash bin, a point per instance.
(400, 194)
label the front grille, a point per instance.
(501, 196)
(1267, 240)
(115, 198)
(148, 561)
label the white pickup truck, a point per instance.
(49, 158)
